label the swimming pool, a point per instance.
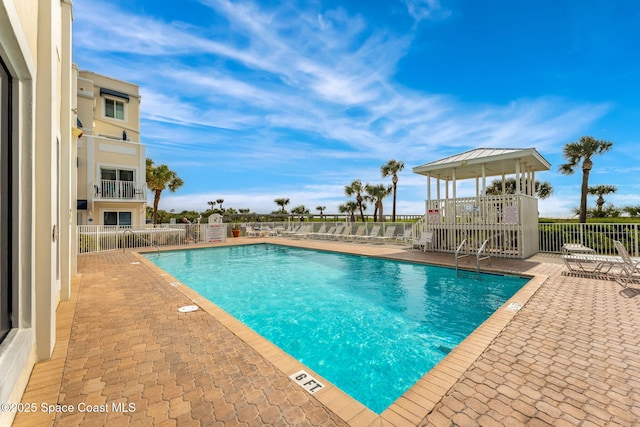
(372, 327)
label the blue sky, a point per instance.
(250, 101)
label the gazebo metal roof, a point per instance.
(496, 161)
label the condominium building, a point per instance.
(111, 160)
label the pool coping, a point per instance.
(420, 399)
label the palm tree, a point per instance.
(391, 169)
(220, 202)
(212, 204)
(350, 208)
(582, 151)
(357, 189)
(376, 193)
(601, 190)
(300, 210)
(543, 189)
(158, 179)
(321, 209)
(282, 203)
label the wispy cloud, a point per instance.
(282, 84)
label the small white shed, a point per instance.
(507, 222)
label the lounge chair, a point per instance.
(405, 237)
(267, 231)
(425, 239)
(337, 233)
(629, 266)
(591, 264)
(294, 229)
(251, 232)
(359, 233)
(389, 234)
(325, 235)
(302, 232)
(322, 230)
(375, 231)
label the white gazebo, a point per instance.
(508, 223)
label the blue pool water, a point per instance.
(372, 327)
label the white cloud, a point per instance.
(316, 94)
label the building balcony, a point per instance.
(119, 191)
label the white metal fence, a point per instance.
(597, 236)
(99, 238)
(600, 237)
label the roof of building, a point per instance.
(496, 161)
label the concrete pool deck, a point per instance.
(569, 356)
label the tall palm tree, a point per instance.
(376, 193)
(282, 203)
(350, 208)
(601, 190)
(160, 178)
(212, 204)
(582, 151)
(220, 202)
(543, 189)
(391, 169)
(321, 209)
(357, 188)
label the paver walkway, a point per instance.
(571, 356)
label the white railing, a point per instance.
(100, 238)
(108, 189)
(598, 236)
(551, 236)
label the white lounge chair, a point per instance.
(405, 237)
(629, 267)
(337, 233)
(425, 239)
(292, 230)
(267, 231)
(359, 232)
(375, 231)
(327, 234)
(389, 234)
(315, 234)
(591, 264)
(251, 232)
(302, 232)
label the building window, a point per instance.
(6, 190)
(114, 108)
(122, 219)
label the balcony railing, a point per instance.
(107, 189)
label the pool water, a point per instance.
(370, 326)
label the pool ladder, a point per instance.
(467, 253)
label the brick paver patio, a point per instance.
(570, 356)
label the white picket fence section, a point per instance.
(100, 238)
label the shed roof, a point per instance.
(497, 161)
